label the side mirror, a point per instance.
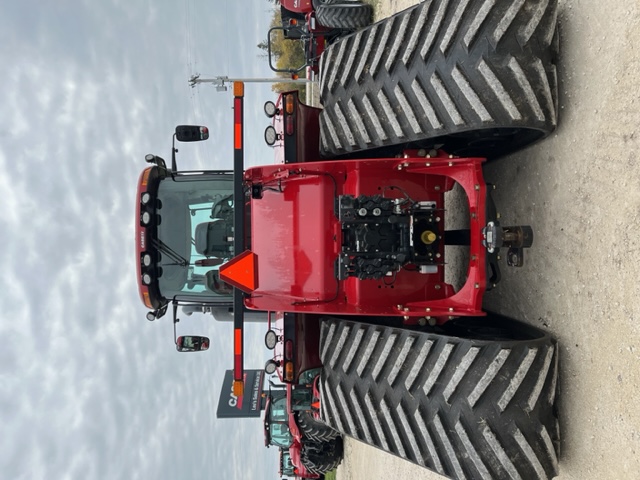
(192, 343)
(191, 133)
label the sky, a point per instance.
(88, 387)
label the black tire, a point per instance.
(322, 457)
(314, 429)
(344, 16)
(477, 77)
(463, 407)
(320, 3)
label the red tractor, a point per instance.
(329, 14)
(292, 417)
(360, 238)
(315, 24)
(348, 229)
(286, 467)
(302, 460)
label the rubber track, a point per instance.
(441, 68)
(463, 408)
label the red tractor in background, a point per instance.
(331, 14)
(315, 24)
(286, 467)
(291, 420)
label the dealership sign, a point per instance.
(247, 405)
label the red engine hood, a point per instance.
(295, 235)
(297, 238)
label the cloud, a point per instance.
(88, 388)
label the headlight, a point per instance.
(270, 367)
(145, 197)
(270, 135)
(146, 218)
(270, 109)
(146, 259)
(270, 339)
(146, 279)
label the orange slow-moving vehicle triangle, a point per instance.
(241, 271)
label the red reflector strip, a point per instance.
(237, 367)
(237, 342)
(237, 123)
(237, 137)
(288, 350)
(289, 125)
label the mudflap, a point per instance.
(464, 408)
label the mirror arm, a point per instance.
(174, 166)
(175, 320)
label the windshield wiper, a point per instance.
(169, 252)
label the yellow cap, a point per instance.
(238, 89)
(238, 388)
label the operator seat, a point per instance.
(214, 239)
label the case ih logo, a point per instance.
(142, 241)
(248, 405)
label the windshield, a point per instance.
(286, 466)
(195, 235)
(278, 428)
(278, 412)
(280, 435)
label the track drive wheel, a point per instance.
(320, 3)
(315, 430)
(322, 457)
(345, 16)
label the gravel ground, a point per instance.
(580, 190)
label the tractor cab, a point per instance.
(184, 232)
(286, 467)
(282, 431)
(276, 421)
